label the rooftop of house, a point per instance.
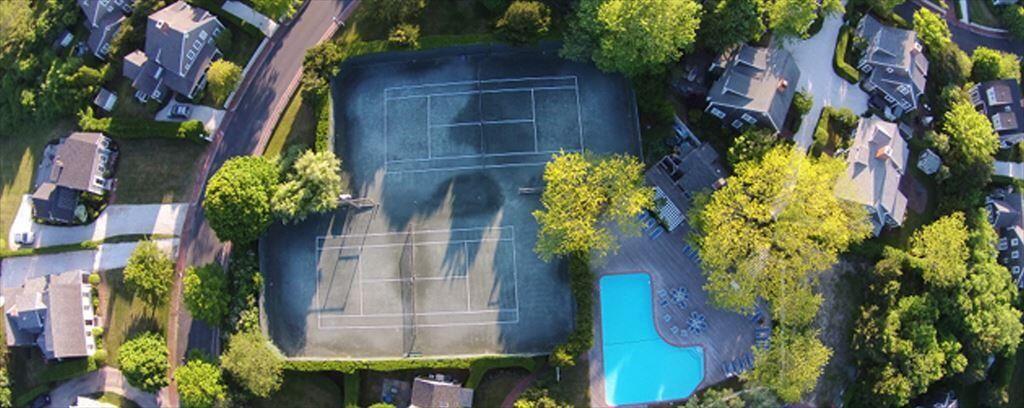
(77, 159)
(429, 393)
(897, 51)
(172, 34)
(876, 161)
(49, 312)
(758, 79)
(1002, 102)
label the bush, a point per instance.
(989, 64)
(254, 363)
(149, 273)
(351, 390)
(223, 76)
(237, 201)
(97, 332)
(135, 128)
(582, 337)
(844, 70)
(200, 384)
(1013, 18)
(143, 360)
(94, 279)
(405, 36)
(323, 124)
(100, 356)
(524, 22)
(206, 293)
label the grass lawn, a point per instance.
(19, 155)
(301, 389)
(574, 387)
(496, 385)
(123, 315)
(982, 12)
(156, 170)
(116, 400)
(296, 127)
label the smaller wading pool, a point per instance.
(639, 366)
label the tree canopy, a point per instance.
(237, 201)
(206, 293)
(793, 18)
(751, 145)
(200, 384)
(143, 360)
(989, 64)
(276, 9)
(939, 250)
(313, 185)
(585, 193)
(731, 22)
(254, 363)
(223, 77)
(632, 36)
(524, 21)
(972, 139)
(773, 227)
(392, 12)
(149, 272)
(791, 365)
(932, 29)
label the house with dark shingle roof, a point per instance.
(756, 88)
(693, 168)
(104, 19)
(433, 393)
(895, 70)
(875, 165)
(179, 48)
(81, 163)
(54, 313)
(1006, 214)
(1002, 103)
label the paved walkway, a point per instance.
(246, 13)
(106, 379)
(147, 219)
(14, 271)
(814, 57)
(211, 118)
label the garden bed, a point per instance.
(844, 61)
(834, 131)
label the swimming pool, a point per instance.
(639, 367)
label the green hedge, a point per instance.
(323, 122)
(582, 337)
(352, 390)
(844, 70)
(352, 366)
(135, 128)
(821, 133)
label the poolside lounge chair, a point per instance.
(666, 317)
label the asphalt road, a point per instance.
(965, 38)
(260, 100)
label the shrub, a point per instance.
(802, 102)
(200, 384)
(135, 128)
(100, 357)
(149, 272)
(989, 64)
(1013, 18)
(323, 124)
(351, 390)
(524, 21)
(223, 76)
(582, 337)
(405, 36)
(206, 293)
(254, 363)
(97, 332)
(237, 201)
(143, 361)
(94, 279)
(844, 70)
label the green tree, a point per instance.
(536, 397)
(632, 36)
(972, 140)
(751, 145)
(989, 64)
(773, 227)
(584, 194)
(793, 18)
(276, 9)
(5, 386)
(731, 22)
(149, 272)
(884, 6)
(939, 251)
(254, 363)
(237, 202)
(932, 29)
(949, 64)
(754, 397)
(320, 64)
(16, 23)
(143, 360)
(392, 12)
(791, 365)
(524, 21)
(200, 384)
(1013, 18)
(206, 293)
(313, 185)
(223, 77)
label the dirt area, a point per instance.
(836, 319)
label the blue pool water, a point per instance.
(639, 367)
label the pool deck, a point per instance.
(729, 335)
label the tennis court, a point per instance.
(446, 149)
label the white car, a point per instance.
(25, 238)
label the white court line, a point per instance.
(480, 166)
(515, 273)
(429, 153)
(428, 278)
(478, 92)
(473, 156)
(379, 234)
(480, 81)
(434, 325)
(484, 122)
(469, 293)
(419, 244)
(443, 313)
(579, 110)
(533, 108)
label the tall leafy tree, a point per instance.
(313, 185)
(143, 360)
(16, 22)
(223, 77)
(206, 293)
(524, 21)
(791, 365)
(972, 139)
(632, 36)
(237, 201)
(932, 29)
(731, 22)
(200, 384)
(793, 18)
(989, 64)
(149, 272)
(584, 194)
(939, 250)
(769, 232)
(254, 363)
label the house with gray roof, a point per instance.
(875, 165)
(436, 393)
(54, 313)
(694, 167)
(895, 70)
(179, 49)
(1006, 214)
(1002, 103)
(756, 88)
(81, 163)
(104, 19)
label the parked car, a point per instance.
(180, 111)
(25, 238)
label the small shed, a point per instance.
(105, 99)
(438, 392)
(929, 162)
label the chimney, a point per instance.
(884, 153)
(783, 84)
(160, 24)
